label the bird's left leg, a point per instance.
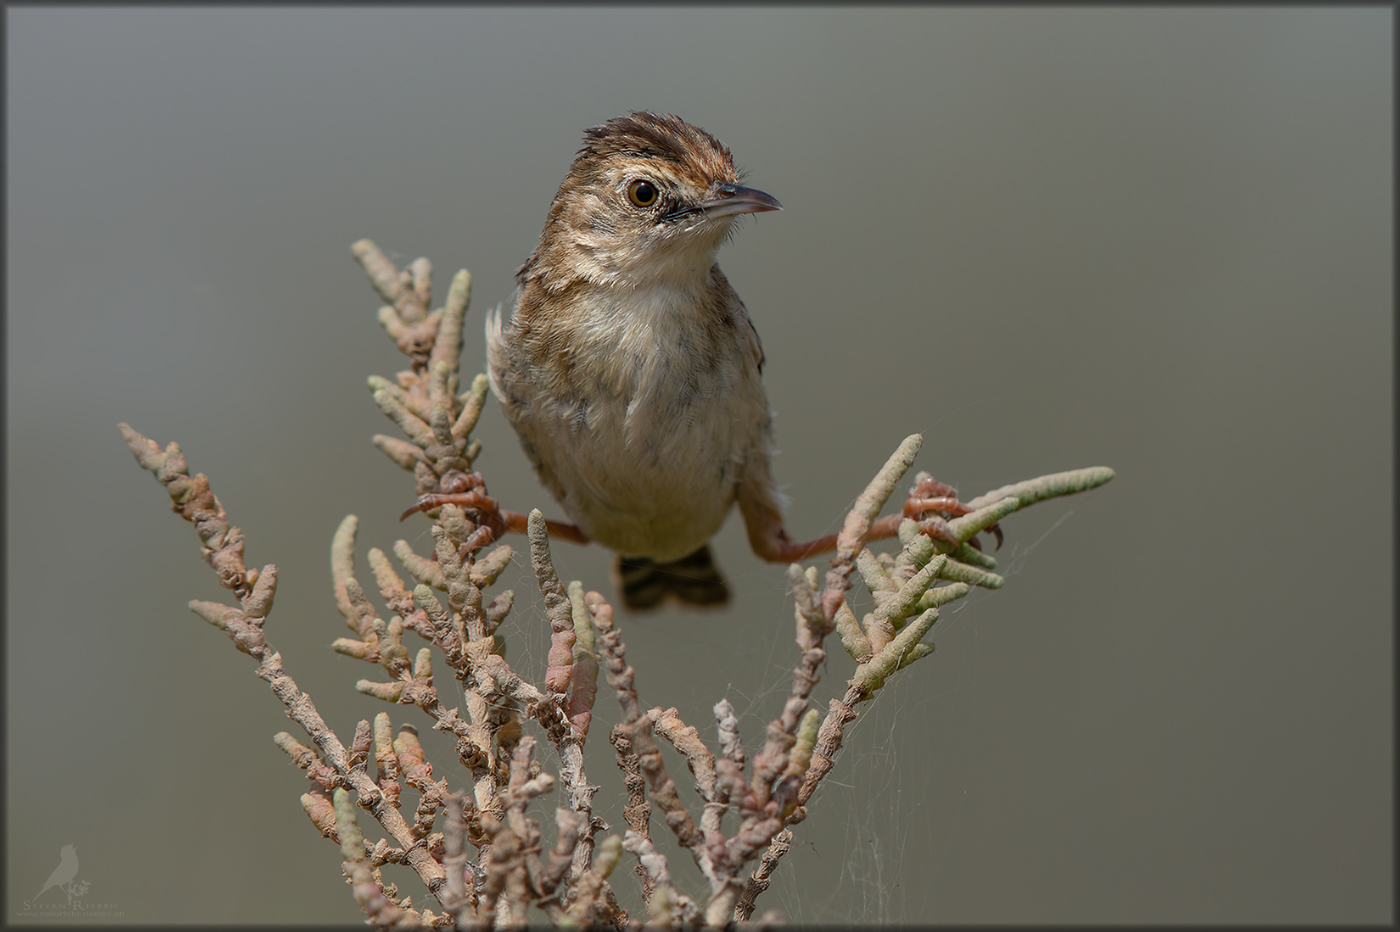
(760, 503)
(930, 502)
(469, 491)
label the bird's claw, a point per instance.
(473, 500)
(469, 491)
(455, 488)
(930, 502)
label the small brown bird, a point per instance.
(632, 374)
(629, 367)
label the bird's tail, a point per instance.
(694, 580)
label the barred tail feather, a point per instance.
(694, 580)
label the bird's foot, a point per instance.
(931, 503)
(456, 488)
(468, 490)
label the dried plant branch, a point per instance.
(858, 520)
(638, 810)
(443, 601)
(760, 879)
(636, 728)
(382, 911)
(223, 550)
(456, 899)
(570, 691)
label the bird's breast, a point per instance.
(639, 408)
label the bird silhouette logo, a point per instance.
(63, 874)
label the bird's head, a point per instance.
(648, 198)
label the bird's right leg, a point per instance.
(469, 491)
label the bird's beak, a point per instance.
(729, 199)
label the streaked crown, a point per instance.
(665, 142)
(647, 197)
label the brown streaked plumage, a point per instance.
(628, 366)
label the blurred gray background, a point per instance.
(1154, 239)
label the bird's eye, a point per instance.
(642, 193)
